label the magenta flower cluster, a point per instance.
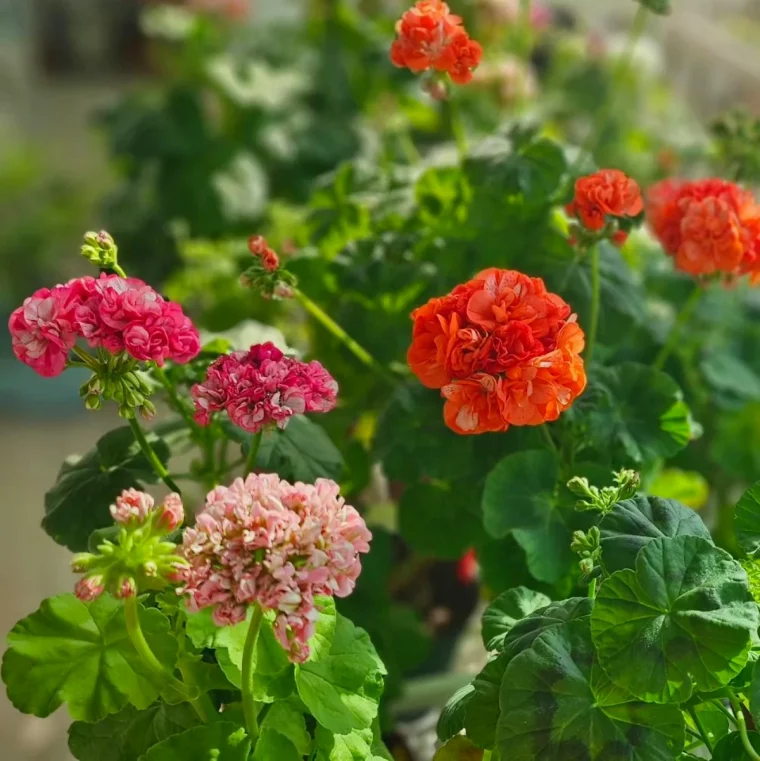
(268, 542)
(110, 312)
(261, 387)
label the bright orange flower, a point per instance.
(431, 37)
(608, 192)
(502, 349)
(707, 226)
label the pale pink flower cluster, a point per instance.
(261, 387)
(275, 544)
(134, 508)
(110, 312)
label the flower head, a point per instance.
(132, 507)
(502, 350)
(263, 387)
(707, 226)
(607, 193)
(268, 542)
(170, 514)
(429, 36)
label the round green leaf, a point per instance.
(482, 710)
(219, 741)
(682, 621)
(452, 718)
(633, 523)
(557, 705)
(506, 610)
(355, 746)
(86, 486)
(747, 520)
(731, 747)
(283, 735)
(81, 655)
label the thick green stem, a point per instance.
(147, 450)
(486, 755)
(742, 724)
(249, 704)
(596, 295)
(592, 589)
(253, 452)
(118, 270)
(719, 704)
(702, 733)
(683, 317)
(355, 348)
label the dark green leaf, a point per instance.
(685, 612)
(747, 520)
(220, 741)
(86, 486)
(633, 523)
(506, 610)
(452, 718)
(727, 374)
(482, 714)
(81, 655)
(283, 735)
(458, 749)
(557, 705)
(662, 7)
(731, 747)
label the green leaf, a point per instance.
(220, 741)
(685, 486)
(713, 721)
(506, 610)
(283, 735)
(731, 747)
(86, 486)
(452, 718)
(482, 714)
(726, 373)
(342, 689)
(458, 749)
(747, 520)
(302, 452)
(81, 655)
(685, 612)
(661, 7)
(754, 694)
(633, 523)
(520, 497)
(557, 705)
(354, 746)
(125, 736)
(438, 519)
(643, 432)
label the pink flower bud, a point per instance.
(125, 588)
(132, 507)
(89, 588)
(81, 563)
(283, 291)
(170, 514)
(436, 89)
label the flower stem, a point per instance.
(249, 705)
(86, 358)
(742, 723)
(453, 117)
(327, 322)
(151, 455)
(177, 404)
(486, 755)
(683, 317)
(700, 729)
(592, 589)
(548, 438)
(118, 270)
(596, 294)
(719, 704)
(253, 452)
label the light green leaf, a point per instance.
(506, 610)
(70, 652)
(731, 747)
(220, 741)
(747, 520)
(355, 746)
(342, 689)
(283, 735)
(686, 486)
(86, 486)
(125, 736)
(686, 612)
(754, 694)
(556, 706)
(633, 523)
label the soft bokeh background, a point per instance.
(60, 61)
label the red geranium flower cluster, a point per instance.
(263, 387)
(431, 37)
(607, 193)
(707, 226)
(110, 312)
(502, 349)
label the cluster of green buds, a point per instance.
(100, 249)
(116, 377)
(626, 484)
(139, 558)
(583, 238)
(587, 544)
(266, 274)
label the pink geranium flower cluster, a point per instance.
(261, 387)
(267, 542)
(110, 312)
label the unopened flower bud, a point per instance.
(148, 410)
(126, 587)
(93, 402)
(150, 569)
(170, 514)
(100, 249)
(282, 291)
(126, 412)
(132, 507)
(89, 588)
(436, 89)
(82, 562)
(246, 280)
(586, 565)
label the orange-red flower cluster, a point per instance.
(502, 349)
(707, 226)
(608, 192)
(431, 37)
(258, 246)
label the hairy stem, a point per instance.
(742, 724)
(253, 452)
(596, 294)
(249, 704)
(683, 317)
(150, 454)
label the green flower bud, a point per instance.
(93, 402)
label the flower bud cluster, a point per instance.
(588, 546)
(626, 484)
(118, 379)
(266, 274)
(140, 558)
(100, 249)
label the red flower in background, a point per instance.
(431, 37)
(502, 350)
(608, 192)
(707, 226)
